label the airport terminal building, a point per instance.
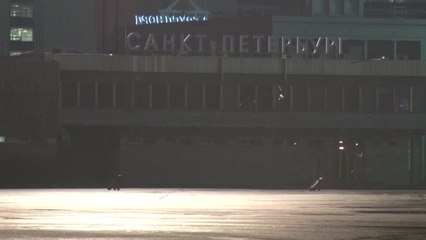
(254, 98)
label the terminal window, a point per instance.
(212, 96)
(264, 97)
(105, 95)
(316, 98)
(408, 50)
(142, 95)
(334, 98)
(248, 97)
(385, 97)
(353, 49)
(159, 96)
(281, 98)
(299, 97)
(378, 49)
(195, 96)
(87, 95)
(402, 99)
(351, 98)
(69, 94)
(177, 96)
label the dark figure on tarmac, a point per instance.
(317, 184)
(116, 183)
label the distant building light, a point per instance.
(2, 139)
(341, 148)
(15, 53)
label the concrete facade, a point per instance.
(4, 28)
(29, 121)
(213, 165)
(229, 145)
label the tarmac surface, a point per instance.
(217, 214)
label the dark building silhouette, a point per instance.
(29, 120)
(256, 94)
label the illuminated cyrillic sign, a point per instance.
(160, 19)
(177, 12)
(243, 44)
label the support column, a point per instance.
(411, 100)
(168, 96)
(274, 98)
(60, 95)
(150, 96)
(325, 98)
(221, 97)
(114, 95)
(96, 94)
(78, 94)
(291, 98)
(423, 165)
(365, 49)
(132, 95)
(203, 106)
(308, 98)
(239, 97)
(185, 96)
(377, 99)
(256, 97)
(395, 50)
(360, 102)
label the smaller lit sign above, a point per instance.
(159, 19)
(180, 11)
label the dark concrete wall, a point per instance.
(216, 166)
(30, 164)
(88, 156)
(29, 121)
(4, 27)
(384, 163)
(416, 155)
(30, 96)
(387, 162)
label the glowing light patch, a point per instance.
(2, 139)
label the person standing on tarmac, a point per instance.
(317, 184)
(116, 183)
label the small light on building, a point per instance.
(341, 148)
(341, 142)
(356, 144)
(2, 139)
